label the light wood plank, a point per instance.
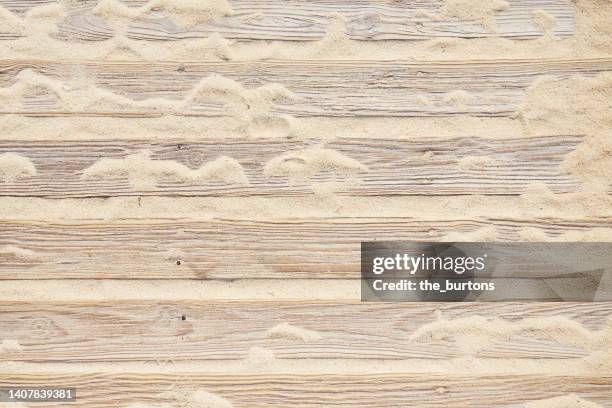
(128, 331)
(329, 88)
(229, 249)
(393, 167)
(297, 20)
(287, 390)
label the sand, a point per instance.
(202, 128)
(459, 99)
(10, 346)
(204, 399)
(14, 166)
(476, 163)
(482, 11)
(213, 47)
(76, 95)
(484, 234)
(455, 366)
(589, 42)
(305, 163)
(563, 206)
(577, 105)
(259, 356)
(202, 290)
(12, 252)
(250, 108)
(475, 333)
(544, 21)
(565, 401)
(287, 331)
(120, 48)
(188, 398)
(143, 172)
(591, 39)
(45, 14)
(551, 105)
(9, 22)
(189, 13)
(184, 13)
(115, 12)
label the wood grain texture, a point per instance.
(394, 167)
(308, 20)
(309, 391)
(229, 249)
(322, 88)
(128, 331)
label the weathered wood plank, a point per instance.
(307, 20)
(228, 249)
(330, 88)
(391, 167)
(129, 331)
(321, 390)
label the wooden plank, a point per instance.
(425, 166)
(321, 390)
(183, 331)
(328, 88)
(228, 249)
(298, 20)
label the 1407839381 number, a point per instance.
(39, 394)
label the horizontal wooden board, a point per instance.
(392, 167)
(151, 331)
(308, 20)
(228, 249)
(316, 390)
(322, 88)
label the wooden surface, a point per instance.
(122, 352)
(298, 21)
(228, 249)
(128, 331)
(394, 167)
(322, 88)
(291, 390)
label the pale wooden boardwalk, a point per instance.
(122, 352)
